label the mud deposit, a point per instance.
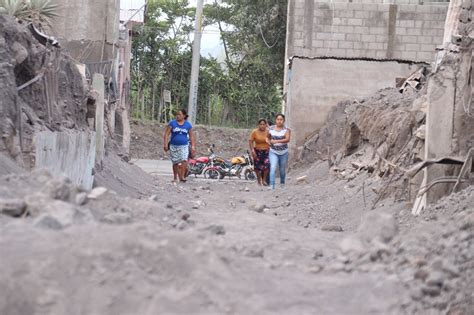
(230, 247)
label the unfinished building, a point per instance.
(349, 50)
(364, 45)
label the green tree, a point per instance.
(253, 35)
(161, 58)
(247, 86)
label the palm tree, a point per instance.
(38, 12)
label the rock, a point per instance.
(254, 252)
(169, 206)
(47, 221)
(352, 245)
(97, 192)
(420, 133)
(199, 204)
(216, 229)
(185, 217)
(421, 274)
(379, 250)
(315, 269)
(82, 215)
(257, 207)
(378, 226)
(20, 53)
(81, 199)
(232, 204)
(182, 225)
(59, 189)
(59, 215)
(331, 228)
(419, 261)
(117, 218)
(12, 207)
(343, 259)
(416, 294)
(436, 278)
(301, 179)
(318, 254)
(337, 267)
(247, 189)
(451, 269)
(153, 198)
(431, 290)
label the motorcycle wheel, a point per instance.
(250, 174)
(211, 174)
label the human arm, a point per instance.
(193, 141)
(251, 144)
(284, 140)
(166, 138)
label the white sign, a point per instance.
(167, 96)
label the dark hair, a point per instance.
(282, 116)
(262, 119)
(185, 113)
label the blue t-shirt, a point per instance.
(179, 133)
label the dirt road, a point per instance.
(229, 247)
(154, 167)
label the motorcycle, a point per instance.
(196, 166)
(237, 166)
(211, 170)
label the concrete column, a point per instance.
(449, 125)
(98, 85)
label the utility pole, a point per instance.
(193, 86)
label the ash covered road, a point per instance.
(230, 247)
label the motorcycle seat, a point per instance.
(202, 159)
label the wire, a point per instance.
(264, 40)
(263, 37)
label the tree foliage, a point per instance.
(36, 11)
(246, 86)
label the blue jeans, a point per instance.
(280, 161)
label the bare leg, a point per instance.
(182, 170)
(175, 171)
(259, 177)
(264, 177)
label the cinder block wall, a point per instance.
(403, 29)
(377, 29)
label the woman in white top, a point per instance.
(278, 138)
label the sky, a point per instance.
(210, 42)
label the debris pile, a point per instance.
(382, 135)
(41, 89)
(432, 255)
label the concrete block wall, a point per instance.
(317, 85)
(402, 29)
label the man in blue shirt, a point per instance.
(181, 132)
